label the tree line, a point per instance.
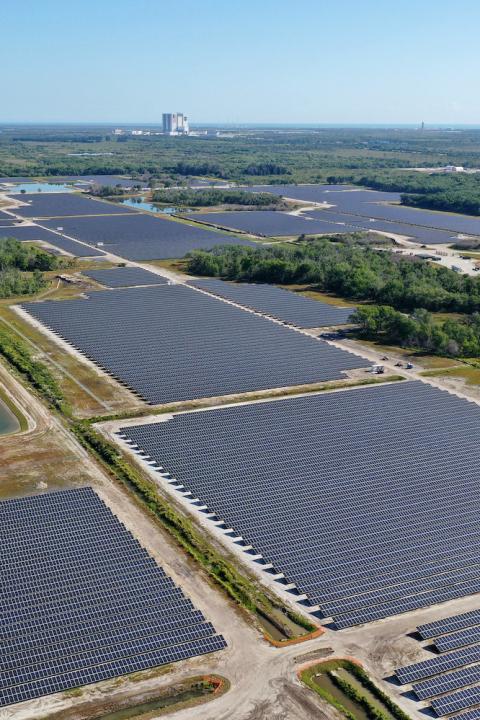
(420, 330)
(211, 197)
(347, 270)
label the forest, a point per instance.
(246, 155)
(348, 270)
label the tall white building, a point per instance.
(175, 124)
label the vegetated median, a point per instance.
(214, 197)
(346, 686)
(188, 693)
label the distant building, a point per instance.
(118, 131)
(175, 124)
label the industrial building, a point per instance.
(175, 124)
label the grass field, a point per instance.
(470, 375)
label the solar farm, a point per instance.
(277, 473)
(450, 679)
(349, 505)
(171, 343)
(269, 223)
(283, 305)
(82, 601)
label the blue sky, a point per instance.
(271, 61)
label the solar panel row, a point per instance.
(125, 277)
(447, 682)
(284, 305)
(449, 624)
(456, 701)
(82, 601)
(438, 664)
(458, 639)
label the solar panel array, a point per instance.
(380, 461)
(449, 624)
(452, 679)
(143, 237)
(284, 305)
(27, 233)
(377, 204)
(438, 664)
(425, 218)
(458, 639)
(50, 205)
(125, 277)
(6, 219)
(82, 601)
(170, 343)
(454, 702)
(270, 223)
(32, 233)
(309, 193)
(416, 233)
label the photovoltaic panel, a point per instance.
(56, 205)
(458, 639)
(417, 233)
(29, 233)
(426, 218)
(438, 664)
(469, 715)
(449, 624)
(337, 457)
(284, 305)
(269, 223)
(447, 682)
(454, 702)
(125, 277)
(171, 342)
(143, 237)
(308, 193)
(108, 615)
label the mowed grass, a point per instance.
(470, 375)
(313, 294)
(82, 403)
(432, 362)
